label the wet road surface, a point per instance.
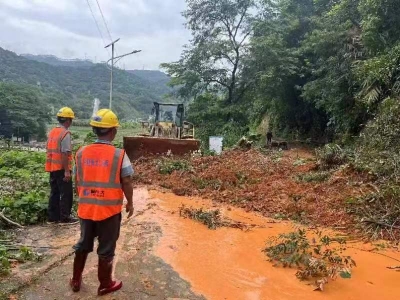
(161, 255)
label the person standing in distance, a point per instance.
(269, 137)
(103, 176)
(59, 165)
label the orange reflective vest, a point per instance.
(53, 150)
(98, 181)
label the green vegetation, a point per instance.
(23, 186)
(320, 71)
(378, 212)
(23, 199)
(202, 184)
(212, 218)
(11, 253)
(314, 176)
(77, 86)
(330, 156)
(313, 69)
(126, 129)
(23, 111)
(167, 166)
(313, 258)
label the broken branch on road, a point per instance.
(213, 218)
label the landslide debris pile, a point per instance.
(277, 184)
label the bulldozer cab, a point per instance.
(169, 122)
(169, 113)
(169, 133)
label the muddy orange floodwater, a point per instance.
(228, 263)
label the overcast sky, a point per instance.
(66, 28)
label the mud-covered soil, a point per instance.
(144, 275)
(266, 182)
(163, 256)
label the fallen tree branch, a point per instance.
(381, 224)
(9, 221)
(393, 268)
(37, 247)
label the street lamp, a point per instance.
(112, 44)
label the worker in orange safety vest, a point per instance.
(103, 176)
(59, 165)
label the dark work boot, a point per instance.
(107, 284)
(69, 221)
(79, 265)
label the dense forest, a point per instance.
(77, 83)
(319, 69)
(24, 111)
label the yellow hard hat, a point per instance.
(66, 112)
(104, 118)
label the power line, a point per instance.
(104, 20)
(105, 24)
(97, 24)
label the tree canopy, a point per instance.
(24, 111)
(313, 68)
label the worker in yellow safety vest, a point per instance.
(59, 165)
(103, 176)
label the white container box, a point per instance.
(216, 144)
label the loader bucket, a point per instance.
(139, 146)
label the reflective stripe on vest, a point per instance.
(53, 150)
(98, 180)
(101, 202)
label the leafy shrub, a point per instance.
(209, 152)
(5, 264)
(211, 218)
(331, 156)
(24, 186)
(20, 254)
(167, 166)
(314, 176)
(378, 153)
(202, 183)
(312, 258)
(32, 161)
(379, 145)
(26, 207)
(379, 212)
(9, 251)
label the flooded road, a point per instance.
(229, 263)
(161, 255)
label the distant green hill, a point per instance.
(76, 83)
(55, 61)
(153, 76)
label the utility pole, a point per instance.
(112, 67)
(116, 59)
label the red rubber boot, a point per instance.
(107, 285)
(79, 265)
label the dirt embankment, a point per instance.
(272, 183)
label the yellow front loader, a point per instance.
(168, 134)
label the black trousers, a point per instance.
(61, 197)
(107, 232)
